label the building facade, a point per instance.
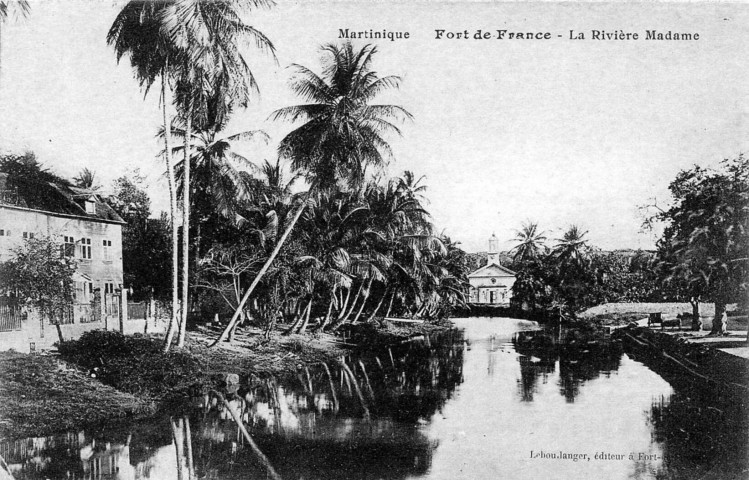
(88, 230)
(492, 283)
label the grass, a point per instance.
(41, 394)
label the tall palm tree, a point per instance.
(8, 8)
(342, 132)
(212, 77)
(530, 242)
(137, 32)
(573, 246)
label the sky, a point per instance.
(554, 131)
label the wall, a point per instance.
(35, 335)
(19, 220)
(482, 286)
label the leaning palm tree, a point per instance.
(342, 133)
(11, 8)
(530, 243)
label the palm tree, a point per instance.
(210, 34)
(572, 247)
(137, 33)
(8, 7)
(86, 179)
(342, 133)
(530, 243)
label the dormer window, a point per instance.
(90, 206)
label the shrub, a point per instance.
(135, 364)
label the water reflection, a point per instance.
(471, 403)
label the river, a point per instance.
(492, 399)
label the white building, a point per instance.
(492, 283)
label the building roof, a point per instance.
(492, 270)
(54, 198)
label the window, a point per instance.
(85, 248)
(107, 244)
(90, 206)
(108, 287)
(68, 248)
(27, 235)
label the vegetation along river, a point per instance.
(495, 398)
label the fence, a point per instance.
(86, 312)
(112, 305)
(63, 315)
(11, 315)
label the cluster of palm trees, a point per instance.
(354, 254)
(357, 237)
(551, 279)
(573, 275)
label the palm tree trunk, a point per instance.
(353, 304)
(344, 318)
(262, 272)
(303, 327)
(173, 213)
(364, 302)
(330, 311)
(377, 308)
(390, 305)
(344, 305)
(185, 228)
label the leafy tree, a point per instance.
(145, 241)
(41, 275)
(705, 242)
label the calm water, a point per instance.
(489, 400)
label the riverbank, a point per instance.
(42, 394)
(679, 357)
(105, 375)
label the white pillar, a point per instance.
(123, 310)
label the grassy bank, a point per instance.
(40, 394)
(106, 375)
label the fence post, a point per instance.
(123, 310)
(152, 312)
(102, 306)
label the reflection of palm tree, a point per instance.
(530, 242)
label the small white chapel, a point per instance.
(492, 283)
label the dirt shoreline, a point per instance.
(108, 376)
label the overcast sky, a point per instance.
(557, 131)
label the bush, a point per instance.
(135, 364)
